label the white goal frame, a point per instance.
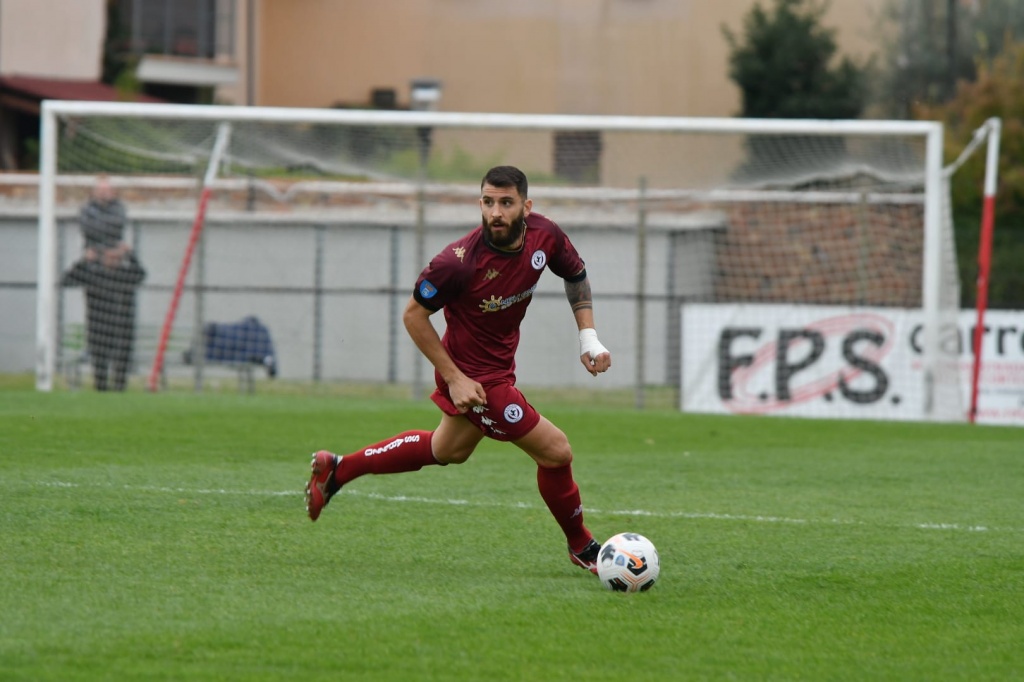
(931, 132)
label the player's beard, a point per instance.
(513, 233)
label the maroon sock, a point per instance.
(408, 451)
(562, 496)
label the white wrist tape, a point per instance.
(589, 345)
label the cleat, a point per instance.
(587, 557)
(322, 486)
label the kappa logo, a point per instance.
(539, 260)
(513, 413)
(491, 274)
(460, 252)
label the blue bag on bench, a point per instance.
(245, 342)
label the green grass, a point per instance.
(163, 537)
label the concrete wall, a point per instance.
(332, 291)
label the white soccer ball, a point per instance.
(628, 562)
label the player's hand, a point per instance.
(594, 356)
(467, 394)
(598, 364)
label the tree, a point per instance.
(927, 46)
(782, 65)
(998, 90)
(783, 68)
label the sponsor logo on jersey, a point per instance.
(539, 260)
(427, 290)
(496, 303)
(513, 413)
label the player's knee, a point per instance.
(557, 454)
(563, 456)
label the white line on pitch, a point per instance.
(524, 505)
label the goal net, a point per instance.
(791, 267)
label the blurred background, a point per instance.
(958, 61)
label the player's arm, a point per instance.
(594, 356)
(465, 392)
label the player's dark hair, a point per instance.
(506, 176)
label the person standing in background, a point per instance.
(109, 272)
(103, 217)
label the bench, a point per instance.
(75, 360)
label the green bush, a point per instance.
(783, 65)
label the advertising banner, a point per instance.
(843, 362)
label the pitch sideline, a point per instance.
(756, 518)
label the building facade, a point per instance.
(623, 57)
(610, 57)
(615, 57)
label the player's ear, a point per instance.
(527, 207)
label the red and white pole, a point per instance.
(985, 254)
(223, 133)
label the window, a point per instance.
(186, 28)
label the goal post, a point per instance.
(991, 131)
(317, 216)
(46, 284)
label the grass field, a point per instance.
(163, 537)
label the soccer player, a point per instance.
(484, 282)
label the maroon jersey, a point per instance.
(485, 291)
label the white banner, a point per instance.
(841, 362)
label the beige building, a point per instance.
(630, 57)
(55, 38)
(612, 57)
(621, 57)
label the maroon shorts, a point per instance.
(506, 416)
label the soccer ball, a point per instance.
(628, 562)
